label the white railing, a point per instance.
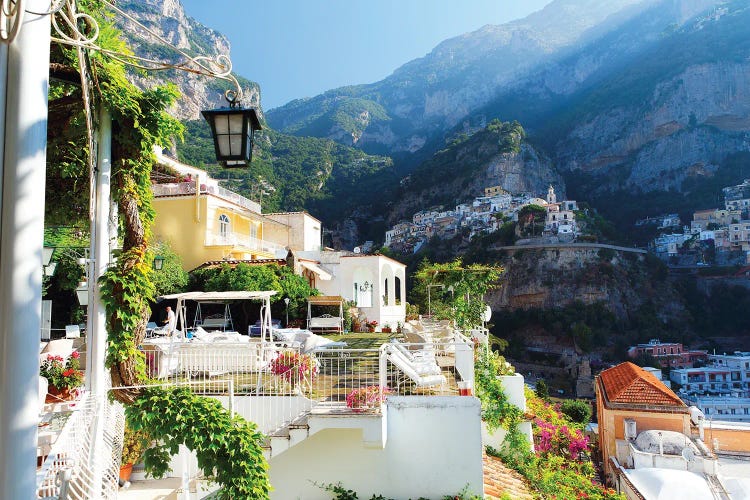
(244, 241)
(182, 188)
(84, 459)
(278, 399)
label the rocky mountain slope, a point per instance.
(497, 155)
(435, 93)
(639, 96)
(168, 19)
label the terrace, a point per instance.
(288, 407)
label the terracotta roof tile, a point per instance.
(499, 480)
(629, 383)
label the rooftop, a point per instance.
(631, 384)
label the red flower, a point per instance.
(68, 372)
(75, 355)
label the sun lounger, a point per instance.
(422, 374)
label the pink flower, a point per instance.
(75, 355)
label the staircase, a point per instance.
(373, 427)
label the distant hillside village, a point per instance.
(715, 236)
(485, 214)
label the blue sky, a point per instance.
(300, 48)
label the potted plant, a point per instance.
(63, 376)
(295, 367)
(386, 328)
(365, 398)
(134, 443)
(371, 326)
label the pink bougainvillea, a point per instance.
(559, 439)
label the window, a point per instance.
(385, 293)
(223, 226)
(397, 284)
(253, 230)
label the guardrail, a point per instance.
(183, 188)
(245, 241)
(286, 383)
(84, 459)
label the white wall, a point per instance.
(433, 449)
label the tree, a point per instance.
(171, 278)
(577, 410)
(466, 285)
(542, 390)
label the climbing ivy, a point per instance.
(227, 447)
(497, 410)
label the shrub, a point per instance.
(577, 410)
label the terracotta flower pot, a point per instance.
(55, 395)
(125, 472)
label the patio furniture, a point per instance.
(423, 374)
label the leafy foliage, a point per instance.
(171, 278)
(297, 173)
(497, 411)
(469, 284)
(227, 447)
(250, 278)
(558, 469)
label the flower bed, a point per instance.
(366, 398)
(294, 367)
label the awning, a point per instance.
(326, 300)
(324, 275)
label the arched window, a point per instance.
(397, 286)
(223, 226)
(385, 292)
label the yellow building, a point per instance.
(204, 222)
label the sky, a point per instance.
(301, 48)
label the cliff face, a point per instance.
(168, 19)
(558, 277)
(686, 127)
(432, 94)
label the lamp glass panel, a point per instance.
(223, 141)
(235, 123)
(222, 124)
(235, 145)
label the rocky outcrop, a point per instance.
(168, 19)
(689, 125)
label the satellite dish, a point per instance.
(357, 250)
(688, 454)
(487, 314)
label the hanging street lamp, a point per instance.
(233, 129)
(158, 263)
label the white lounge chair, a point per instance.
(422, 374)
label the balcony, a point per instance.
(248, 243)
(183, 188)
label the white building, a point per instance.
(375, 283)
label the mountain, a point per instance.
(167, 18)
(630, 101)
(437, 92)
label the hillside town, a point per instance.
(484, 214)
(715, 236)
(717, 384)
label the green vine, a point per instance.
(228, 447)
(497, 410)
